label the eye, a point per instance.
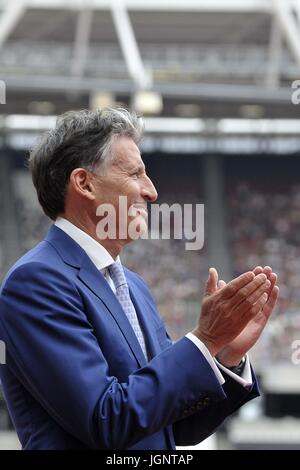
(135, 175)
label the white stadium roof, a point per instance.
(216, 58)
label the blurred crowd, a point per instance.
(264, 229)
(175, 276)
(32, 223)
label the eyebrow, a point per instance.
(138, 167)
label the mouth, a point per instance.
(142, 210)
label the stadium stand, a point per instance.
(33, 224)
(263, 226)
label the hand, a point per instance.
(232, 354)
(227, 310)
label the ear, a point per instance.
(81, 182)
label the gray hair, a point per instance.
(80, 139)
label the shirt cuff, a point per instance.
(208, 357)
(245, 379)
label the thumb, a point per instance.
(221, 284)
(212, 281)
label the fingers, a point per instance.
(269, 306)
(267, 270)
(260, 304)
(273, 280)
(221, 284)
(212, 281)
(244, 300)
(249, 289)
(234, 286)
(258, 270)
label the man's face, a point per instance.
(126, 176)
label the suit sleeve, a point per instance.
(52, 350)
(202, 418)
(199, 426)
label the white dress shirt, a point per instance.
(102, 259)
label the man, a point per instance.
(89, 363)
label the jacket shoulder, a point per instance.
(42, 258)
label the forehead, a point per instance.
(125, 151)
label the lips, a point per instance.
(142, 211)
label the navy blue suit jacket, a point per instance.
(76, 377)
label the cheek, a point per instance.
(131, 191)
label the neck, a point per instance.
(113, 247)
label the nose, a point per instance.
(148, 190)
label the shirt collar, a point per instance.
(95, 251)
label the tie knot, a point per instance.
(117, 275)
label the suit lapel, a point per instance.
(73, 255)
(95, 281)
